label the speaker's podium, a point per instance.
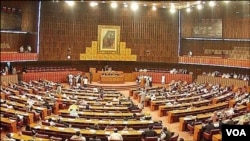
(111, 77)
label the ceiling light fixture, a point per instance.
(114, 5)
(199, 7)
(134, 6)
(70, 3)
(188, 9)
(93, 4)
(153, 8)
(212, 3)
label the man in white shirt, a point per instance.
(70, 79)
(163, 79)
(109, 103)
(78, 136)
(115, 136)
(95, 90)
(115, 99)
(21, 49)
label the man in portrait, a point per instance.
(109, 40)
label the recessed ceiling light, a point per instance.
(92, 4)
(172, 10)
(199, 6)
(134, 6)
(114, 5)
(70, 3)
(212, 3)
(153, 8)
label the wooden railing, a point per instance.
(222, 81)
(52, 76)
(15, 56)
(216, 61)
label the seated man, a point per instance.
(74, 113)
(109, 103)
(9, 137)
(73, 107)
(115, 136)
(95, 127)
(208, 127)
(52, 123)
(94, 138)
(165, 134)
(148, 133)
(21, 49)
(78, 136)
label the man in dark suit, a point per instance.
(207, 128)
(230, 121)
(148, 133)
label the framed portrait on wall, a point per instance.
(108, 39)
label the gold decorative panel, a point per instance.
(121, 53)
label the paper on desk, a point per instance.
(60, 128)
(37, 127)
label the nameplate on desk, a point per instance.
(235, 132)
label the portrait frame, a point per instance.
(108, 39)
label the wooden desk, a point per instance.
(18, 136)
(2, 95)
(44, 111)
(56, 108)
(104, 123)
(25, 89)
(10, 123)
(12, 90)
(154, 105)
(217, 137)
(185, 120)
(173, 116)
(221, 98)
(29, 116)
(11, 78)
(112, 79)
(197, 132)
(165, 108)
(231, 103)
(129, 135)
(99, 114)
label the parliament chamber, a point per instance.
(115, 70)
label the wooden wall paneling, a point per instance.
(137, 29)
